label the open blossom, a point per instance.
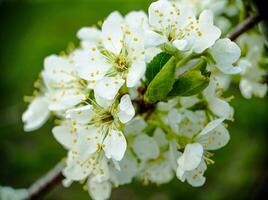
(92, 128)
(118, 58)
(191, 162)
(177, 24)
(252, 76)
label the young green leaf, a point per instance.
(162, 83)
(156, 65)
(189, 83)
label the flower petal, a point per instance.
(226, 53)
(115, 145)
(99, 191)
(128, 169)
(81, 115)
(108, 87)
(65, 134)
(135, 126)
(191, 157)
(145, 147)
(211, 126)
(126, 109)
(135, 73)
(89, 34)
(209, 32)
(162, 15)
(216, 139)
(58, 71)
(137, 19)
(36, 114)
(65, 99)
(112, 33)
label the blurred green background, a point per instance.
(31, 30)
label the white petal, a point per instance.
(88, 140)
(158, 171)
(153, 39)
(137, 19)
(58, 71)
(145, 147)
(191, 157)
(211, 126)
(150, 53)
(81, 115)
(128, 169)
(180, 44)
(102, 101)
(226, 53)
(90, 34)
(65, 134)
(36, 114)
(99, 191)
(135, 73)
(162, 14)
(174, 118)
(249, 88)
(160, 137)
(74, 171)
(221, 108)
(65, 99)
(90, 64)
(135, 126)
(126, 109)
(174, 154)
(112, 33)
(108, 87)
(210, 33)
(215, 139)
(195, 177)
(134, 42)
(115, 145)
(101, 170)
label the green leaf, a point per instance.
(162, 83)
(189, 83)
(156, 65)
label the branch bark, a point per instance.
(46, 183)
(245, 26)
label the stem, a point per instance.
(245, 26)
(46, 183)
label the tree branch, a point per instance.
(46, 183)
(245, 26)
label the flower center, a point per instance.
(121, 63)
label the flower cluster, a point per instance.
(142, 97)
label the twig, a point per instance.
(46, 183)
(245, 26)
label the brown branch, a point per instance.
(245, 26)
(46, 183)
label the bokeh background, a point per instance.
(29, 31)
